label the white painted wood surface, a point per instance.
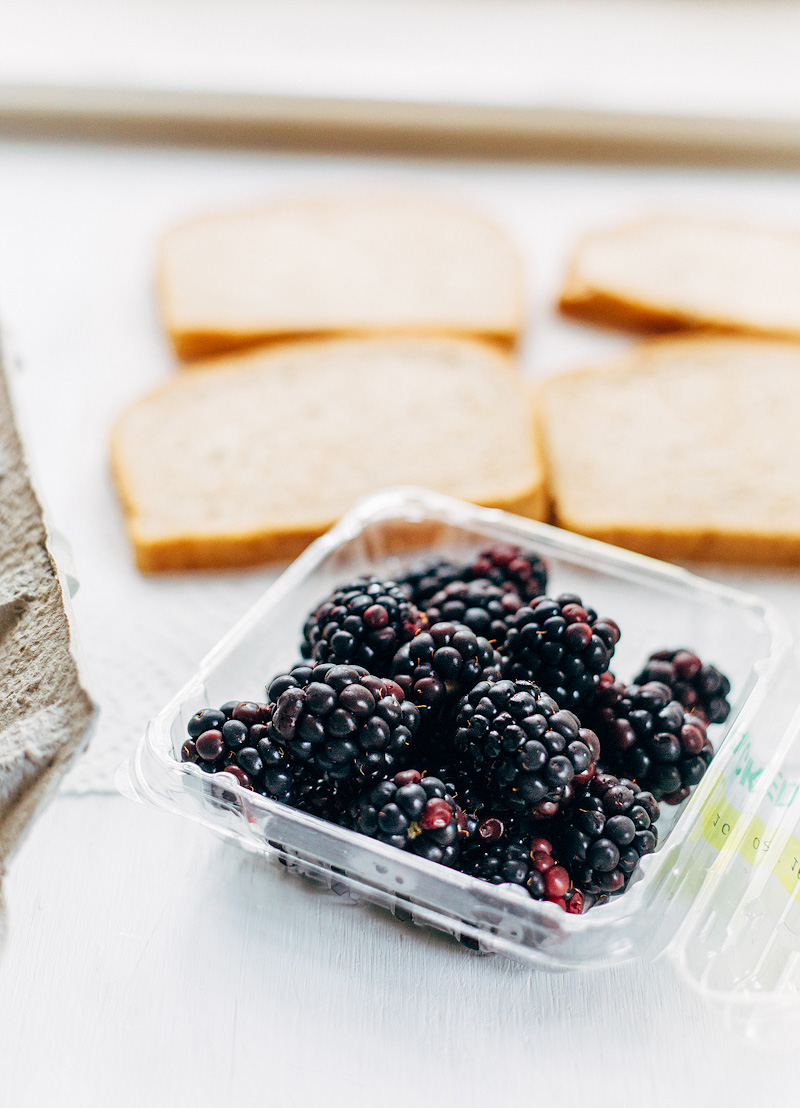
(149, 964)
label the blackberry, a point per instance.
(608, 829)
(699, 687)
(561, 646)
(441, 664)
(243, 746)
(362, 623)
(527, 751)
(327, 799)
(340, 722)
(503, 855)
(504, 565)
(511, 567)
(413, 813)
(301, 786)
(648, 736)
(207, 719)
(428, 577)
(461, 785)
(483, 607)
(223, 739)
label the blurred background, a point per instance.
(711, 77)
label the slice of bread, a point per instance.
(678, 272)
(340, 265)
(688, 448)
(253, 455)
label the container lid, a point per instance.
(738, 875)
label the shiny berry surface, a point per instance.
(699, 687)
(441, 664)
(412, 812)
(601, 839)
(363, 623)
(647, 735)
(524, 748)
(479, 605)
(562, 646)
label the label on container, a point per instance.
(757, 843)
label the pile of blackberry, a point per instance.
(459, 713)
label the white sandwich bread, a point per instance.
(686, 448)
(678, 272)
(252, 455)
(339, 265)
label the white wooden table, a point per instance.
(146, 962)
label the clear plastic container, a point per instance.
(721, 891)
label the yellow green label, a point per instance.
(758, 844)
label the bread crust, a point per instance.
(586, 302)
(702, 545)
(590, 305)
(234, 551)
(195, 347)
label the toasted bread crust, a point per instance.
(590, 305)
(197, 346)
(584, 299)
(197, 552)
(605, 310)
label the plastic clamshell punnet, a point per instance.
(710, 894)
